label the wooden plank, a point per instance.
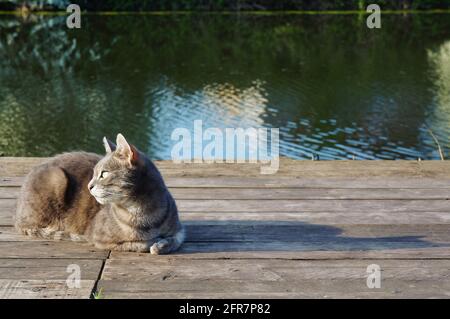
(6, 218)
(347, 244)
(18, 166)
(44, 289)
(10, 166)
(48, 269)
(305, 168)
(147, 270)
(8, 204)
(140, 276)
(325, 218)
(286, 182)
(50, 249)
(380, 206)
(335, 288)
(9, 192)
(307, 193)
(255, 232)
(291, 231)
(13, 181)
(310, 293)
(297, 241)
(289, 182)
(7, 211)
(345, 247)
(287, 193)
(303, 252)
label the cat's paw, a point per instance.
(159, 247)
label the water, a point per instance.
(334, 88)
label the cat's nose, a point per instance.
(91, 186)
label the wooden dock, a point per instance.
(309, 231)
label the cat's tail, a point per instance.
(168, 244)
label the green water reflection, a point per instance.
(332, 86)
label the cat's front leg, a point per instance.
(136, 246)
(168, 244)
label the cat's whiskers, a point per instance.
(121, 195)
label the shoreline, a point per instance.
(250, 12)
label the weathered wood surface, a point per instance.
(287, 182)
(254, 231)
(309, 231)
(49, 249)
(272, 278)
(326, 218)
(181, 193)
(327, 288)
(50, 269)
(10, 166)
(298, 205)
(44, 289)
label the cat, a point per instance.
(118, 202)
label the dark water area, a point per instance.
(332, 86)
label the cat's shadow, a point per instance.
(230, 236)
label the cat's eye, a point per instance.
(103, 174)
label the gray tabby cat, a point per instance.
(117, 202)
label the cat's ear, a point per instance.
(126, 151)
(109, 146)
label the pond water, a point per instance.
(332, 86)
